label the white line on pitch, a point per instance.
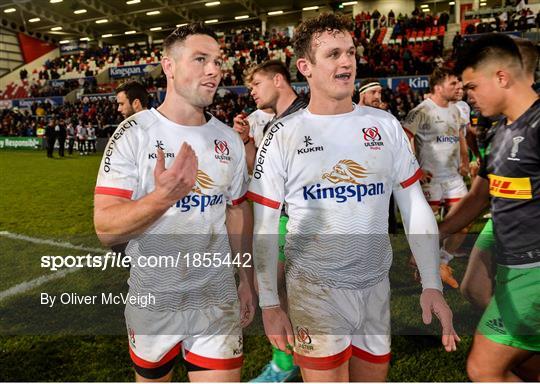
(28, 285)
(62, 244)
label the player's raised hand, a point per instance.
(176, 182)
(241, 125)
(432, 301)
(278, 329)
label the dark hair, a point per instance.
(180, 34)
(272, 67)
(491, 47)
(325, 22)
(134, 90)
(438, 77)
(529, 55)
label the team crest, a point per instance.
(222, 151)
(372, 138)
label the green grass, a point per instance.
(52, 199)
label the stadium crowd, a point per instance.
(103, 115)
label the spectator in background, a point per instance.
(60, 130)
(50, 134)
(70, 133)
(132, 97)
(91, 131)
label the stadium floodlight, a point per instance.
(211, 21)
(130, 32)
(63, 42)
(101, 21)
(212, 3)
(273, 13)
(9, 10)
(151, 13)
(129, 2)
(313, 8)
(241, 17)
(180, 25)
(349, 3)
(34, 20)
(155, 29)
(79, 11)
(107, 35)
(84, 39)
(56, 28)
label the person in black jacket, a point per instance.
(60, 130)
(50, 134)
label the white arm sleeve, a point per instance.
(265, 253)
(422, 233)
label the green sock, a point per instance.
(283, 360)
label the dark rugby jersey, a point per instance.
(513, 171)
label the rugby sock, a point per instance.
(282, 360)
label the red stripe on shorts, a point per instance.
(323, 363)
(364, 355)
(212, 363)
(149, 364)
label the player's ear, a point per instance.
(304, 66)
(277, 79)
(503, 78)
(167, 63)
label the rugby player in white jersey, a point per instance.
(441, 148)
(334, 165)
(173, 181)
(270, 85)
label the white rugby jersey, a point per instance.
(196, 223)
(336, 174)
(465, 113)
(257, 121)
(436, 137)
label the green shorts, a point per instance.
(283, 220)
(486, 239)
(513, 314)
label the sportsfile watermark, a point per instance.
(119, 260)
(62, 292)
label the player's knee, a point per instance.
(480, 371)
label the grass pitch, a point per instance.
(53, 199)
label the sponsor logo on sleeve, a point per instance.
(261, 157)
(510, 187)
(117, 135)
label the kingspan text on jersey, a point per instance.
(202, 201)
(343, 193)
